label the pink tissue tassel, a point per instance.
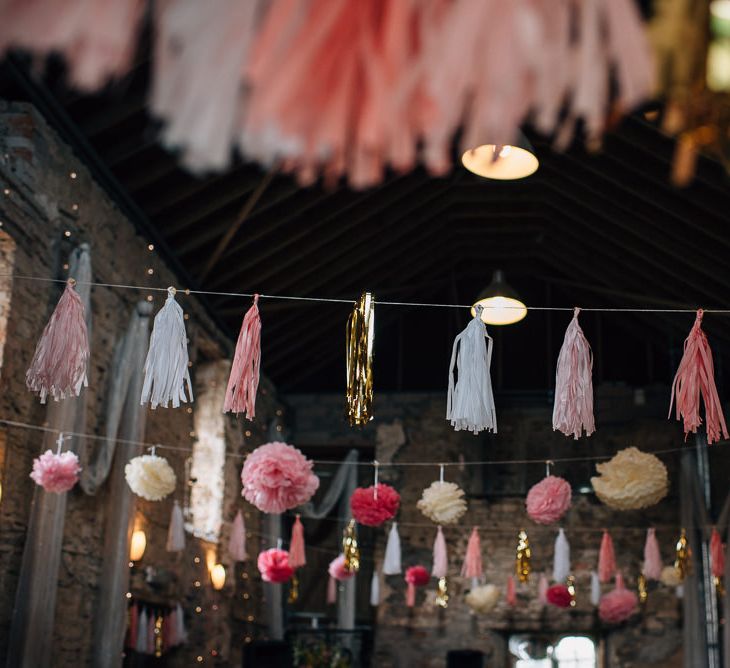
(61, 356)
(652, 557)
(237, 539)
(440, 559)
(472, 566)
(243, 382)
(606, 559)
(511, 591)
(573, 409)
(717, 555)
(695, 376)
(297, 558)
(332, 591)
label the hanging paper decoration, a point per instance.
(559, 596)
(652, 569)
(470, 402)
(522, 559)
(297, 557)
(243, 382)
(56, 472)
(277, 477)
(237, 540)
(561, 559)
(542, 587)
(338, 571)
(375, 589)
(631, 480)
(440, 559)
(360, 335)
(472, 566)
(683, 561)
(442, 502)
(671, 577)
(483, 599)
(150, 477)
(374, 505)
(392, 559)
(717, 560)
(573, 408)
(606, 559)
(350, 548)
(442, 593)
(696, 377)
(595, 589)
(641, 589)
(548, 500)
(176, 530)
(59, 364)
(166, 372)
(293, 589)
(331, 591)
(618, 605)
(274, 566)
(511, 597)
(416, 576)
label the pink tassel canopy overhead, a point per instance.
(717, 554)
(243, 382)
(297, 557)
(696, 377)
(472, 566)
(652, 557)
(606, 559)
(59, 365)
(573, 408)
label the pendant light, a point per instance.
(500, 302)
(137, 545)
(505, 162)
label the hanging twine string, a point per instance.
(376, 466)
(548, 464)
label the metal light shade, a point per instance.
(505, 162)
(137, 545)
(500, 302)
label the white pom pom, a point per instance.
(561, 560)
(443, 502)
(150, 477)
(631, 480)
(391, 562)
(483, 599)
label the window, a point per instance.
(575, 652)
(541, 652)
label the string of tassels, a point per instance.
(243, 382)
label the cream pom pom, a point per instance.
(443, 502)
(483, 599)
(671, 577)
(631, 480)
(150, 477)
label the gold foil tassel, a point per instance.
(522, 562)
(293, 589)
(442, 593)
(683, 562)
(719, 586)
(350, 549)
(571, 590)
(641, 589)
(158, 636)
(360, 333)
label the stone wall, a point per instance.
(412, 428)
(50, 203)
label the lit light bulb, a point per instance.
(137, 545)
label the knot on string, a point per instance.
(71, 281)
(698, 319)
(256, 299)
(576, 311)
(171, 291)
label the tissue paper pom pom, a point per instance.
(559, 596)
(631, 480)
(56, 473)
(150, 477)
(372, 511)
(337, 569)
(548, 500)
(274, 566)
(443, 502)
(483, 599)
(618, 605)
(671, 577)
(278, 477)
(417, 576)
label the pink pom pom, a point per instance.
(274, 566)
(618, 605)
(373, 509)
(717, 554)
(418, 576)
(606, 558)
(277, 477)
(56, 472)
(559, 596)
(337, 569)
(548, 500)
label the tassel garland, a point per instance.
(243, 382)
(522, 559)
(166, 372)
(440, 558)
(511, 597)
(573, 408)
(392, 560)
(59, 365)
(350, 549)
(606, 559)
(237, 540)
(561, 562)
(297, 557)
(472, 566)
(442, 593)
(652, 557)
(470, 401)
(360, 335)
(696, 377)
(683, 561)
(176, 530)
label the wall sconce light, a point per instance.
(218, 576)
(137, 545)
